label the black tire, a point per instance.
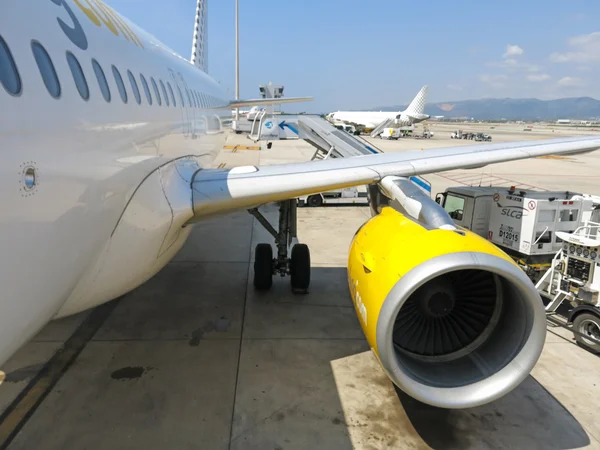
(269, 145)
(315, 200)
(587, 324)
(263, 267)
(300, 268)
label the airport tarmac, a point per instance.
(195, 358)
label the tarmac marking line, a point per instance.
(29, 399)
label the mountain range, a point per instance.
(512, 109)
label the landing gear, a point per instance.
(269, 145)
(297, 266)
(300, 268)
(263, 267)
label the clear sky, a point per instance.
(363, 54)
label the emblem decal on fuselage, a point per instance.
(99, 14)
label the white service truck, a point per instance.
(390, 133)
(523, 223)
(348, 128)
(353, 195)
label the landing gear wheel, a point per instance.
(315, 200)
(588, 325)
(263, 267)
(269, 145)
(300, 268)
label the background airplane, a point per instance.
(370, 119)
(107, 141)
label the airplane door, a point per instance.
(191, 110)
(184, 105)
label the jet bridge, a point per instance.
(328, 141)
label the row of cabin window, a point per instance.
(10, 79)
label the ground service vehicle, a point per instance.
(390, 133)
(521, 222)
(574, 277)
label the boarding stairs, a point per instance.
(331, 142)
(379, 128)
(257, 124)
(328, 141)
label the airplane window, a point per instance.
(156, 93)
(101, 80)
(9, 75)
(164, 91)
(146, 89)
(78, 76)
(171, 93)
(120, 84)
(46, 69)
(134, 87)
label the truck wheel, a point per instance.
(315, 200)
(588, 325)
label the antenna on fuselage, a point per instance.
(199, 44)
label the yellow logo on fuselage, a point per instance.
(99, 14)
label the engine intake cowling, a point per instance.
(453, 320)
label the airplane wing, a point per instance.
(265, 101)
(217, 191)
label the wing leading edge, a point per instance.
(221, 191)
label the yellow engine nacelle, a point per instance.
(454, 322)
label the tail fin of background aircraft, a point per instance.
(417, 106)
(199, 44)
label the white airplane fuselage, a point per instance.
(370, 119)
(414, 113)
(82, 177)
